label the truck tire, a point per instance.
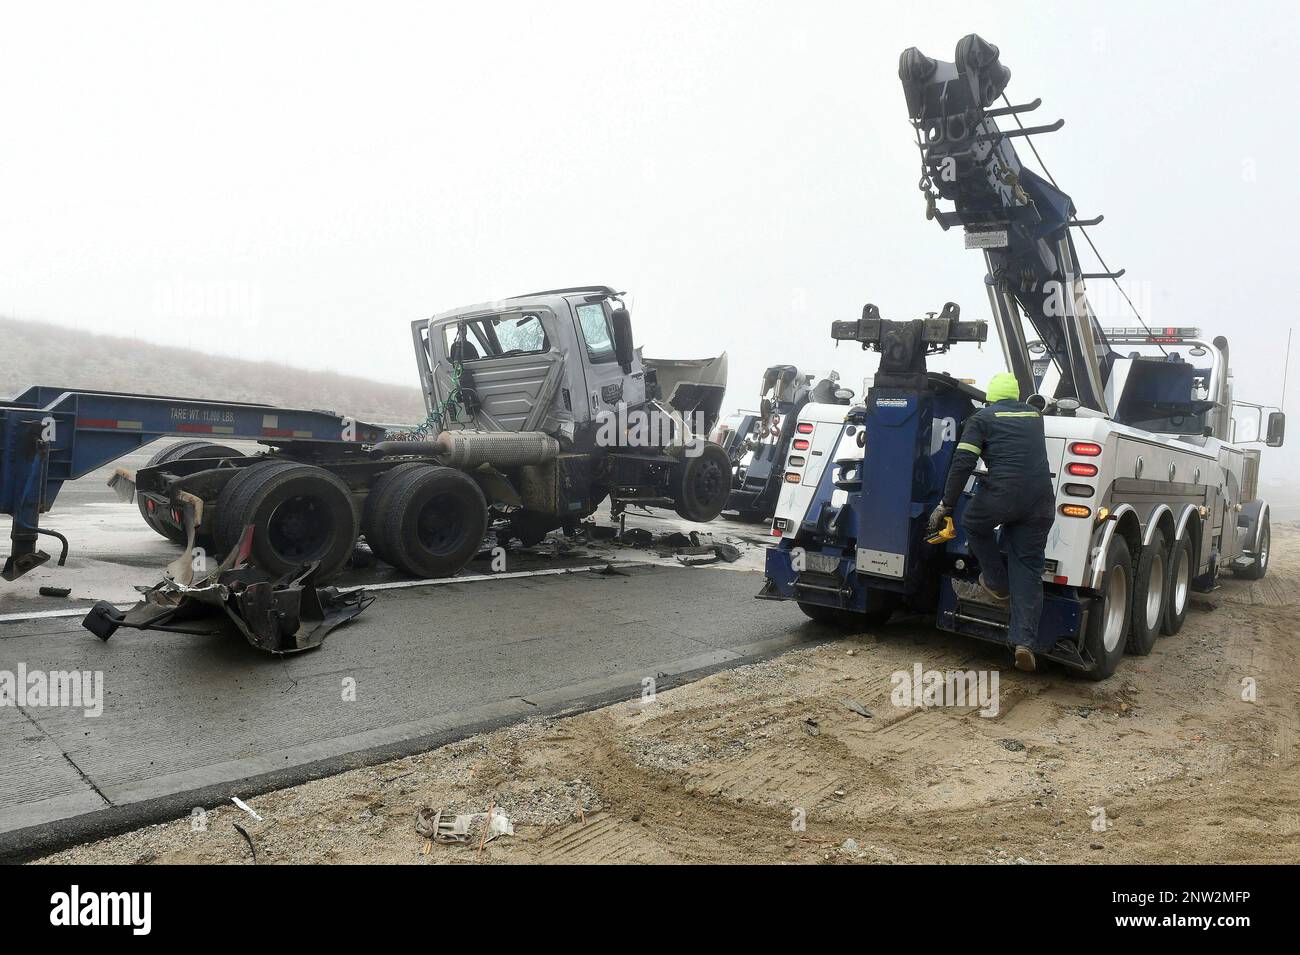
(880, 607)
(376, 505)
(1180, 586)
(433, 521)
(1109, 616)
(300, 514)
(830, 616)
(1258, 566)
(704, 485)
(182, 451)
(1150, 596)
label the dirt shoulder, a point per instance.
(723, 770)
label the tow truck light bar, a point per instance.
(1169, 335)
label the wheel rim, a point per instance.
(1182, 580)
(709, 483)
(1263, 550)
(299, 528)
(1116, 607)
(441, 525)
(1156, 591)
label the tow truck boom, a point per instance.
(1017, 218)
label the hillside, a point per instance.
(34, 353)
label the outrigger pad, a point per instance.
(280, 616)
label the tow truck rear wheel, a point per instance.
(880, 607)
(1180, 586)
(705, 484)
(433, 521)
(182, 451)
(820, 613)
(1150, 594)
(301, 514)
(1109, 616)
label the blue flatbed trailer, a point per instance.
(52, 435)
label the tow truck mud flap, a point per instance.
(279, 616)
(1064, 618)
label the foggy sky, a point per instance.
(298, 182)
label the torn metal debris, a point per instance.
(279, 615)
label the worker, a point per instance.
(1017, 493)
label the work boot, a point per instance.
(1025, 660)
(970, 591)
(997, 597)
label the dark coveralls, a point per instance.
(1016, 493)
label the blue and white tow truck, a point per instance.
(1156, 489)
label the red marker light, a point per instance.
(801, 444)
(1085, 448)
(1080, 469)
(805, 427)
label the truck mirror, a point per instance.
(1276, 429)
(621, 319)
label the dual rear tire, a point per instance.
(425, 520)
(300, 514)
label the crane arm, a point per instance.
(1019, 220)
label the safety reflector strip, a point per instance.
(972, 448)
(110, 423)
(205, 429)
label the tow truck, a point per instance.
(758, 442)
(1156, 491)
(540, 407)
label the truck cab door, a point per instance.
(511, 362)
(607, 384)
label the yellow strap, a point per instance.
(972, 448)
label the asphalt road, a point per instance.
(190, 721)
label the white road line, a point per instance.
(392, 585)
(435, 581)
(47, 614)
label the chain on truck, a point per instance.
(1156, 489)
(539, 407)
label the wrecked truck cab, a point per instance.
(551, 362)
(554, 410)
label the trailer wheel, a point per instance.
(182, 451)
(1258, 567)
(705, 484)
(1150, 595)
(433, 521)
(377, 504)
(300, 514)
(1180, 586)
(1109, 616)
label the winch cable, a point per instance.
(1092, 245)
